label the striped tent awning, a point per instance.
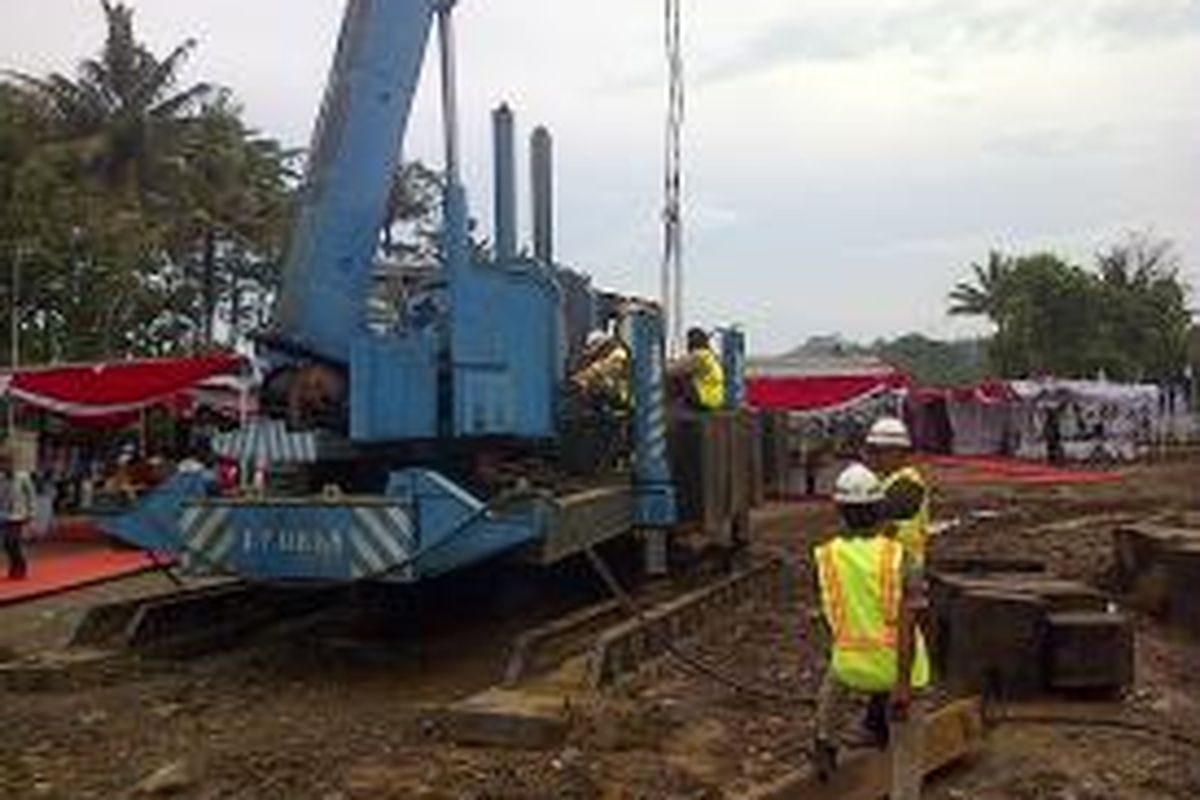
(268, 442)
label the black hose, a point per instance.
(1111, 723)
(689, 660)
(165, 568)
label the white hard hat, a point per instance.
(889, 432)
(596, 338)
(856, 485)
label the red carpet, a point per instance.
(993, 469)
(55, 568)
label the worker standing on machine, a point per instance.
(697, 379)
(601, 401)
(871, 596)
(604, 373)
(905, 487)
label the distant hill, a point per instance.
(933, 362)
(930, 362)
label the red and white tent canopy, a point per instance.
(819, 382)
(823, 393)
(96, 391)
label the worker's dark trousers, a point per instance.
(907, 736)
(14, 550)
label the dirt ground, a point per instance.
(297, 720)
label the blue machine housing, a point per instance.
(424, 524)
(506, 350)
(508, 355)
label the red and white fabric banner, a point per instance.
(106, 390)
(824, 393)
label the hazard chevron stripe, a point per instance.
(372, 540)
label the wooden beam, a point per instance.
(952, 733)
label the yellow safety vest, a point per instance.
(913, 532)
(609, 375)
(709, 380)
(861, 591)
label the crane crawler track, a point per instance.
(193, 621)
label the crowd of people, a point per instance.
(38, 488)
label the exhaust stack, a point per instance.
(504, 184)
(541, 149)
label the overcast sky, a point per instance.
(846, 159)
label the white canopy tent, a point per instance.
(1097, 420)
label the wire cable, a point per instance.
(689, 660)
(1110, 723)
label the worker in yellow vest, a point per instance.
(604, 371)
(871, 596)
(698, 378)
(906, 489)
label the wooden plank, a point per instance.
(952, 733)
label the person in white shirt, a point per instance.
(19, 501)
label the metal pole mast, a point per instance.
(14, 334)
(449, 89)
(672, 265)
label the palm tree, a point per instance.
(179, 207)
(993, 295)
(988, 294)
(122, 111)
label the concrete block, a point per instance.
(1059, 595)
(1182, 569)
(1139, 562)
(499, 718)
(1089, 651)
(995, 639)
(983, 566)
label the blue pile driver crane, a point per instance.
(421, 446)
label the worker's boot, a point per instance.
(825, 758)
(876, 720)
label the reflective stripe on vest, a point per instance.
(913, 532)
(861, 591)
(709, 380)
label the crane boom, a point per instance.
(354, 153)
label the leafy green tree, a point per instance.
(413, 217)
(233, 206)
(1146, 308)
(1127, 320)
(142, 213)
